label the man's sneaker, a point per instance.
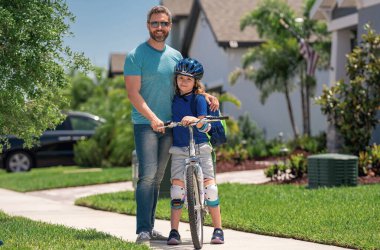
(155, 235)
(174, 238)
(143, 237)
(217, 236)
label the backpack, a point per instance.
(218, 132)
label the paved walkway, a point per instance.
(56, 206)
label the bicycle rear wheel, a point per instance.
(194, 208)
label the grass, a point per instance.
(21, 233)
(345, 216)
(60, 177)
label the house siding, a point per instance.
(371, 15)
(272, 117)
(343, 40)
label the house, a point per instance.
(210, 32)
(116, 64)
(346, 19)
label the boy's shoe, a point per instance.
(143, 237)
(155, 235)
(174, 238)
(217, 236)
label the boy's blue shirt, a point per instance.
(181, 107)
(156, 69)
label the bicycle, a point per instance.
(193, 179)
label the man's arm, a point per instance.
(133, 85)
(212, 101)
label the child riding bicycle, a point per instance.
(188, 73)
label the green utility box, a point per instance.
(330, 170)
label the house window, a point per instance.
(354, 39)
(215, 90)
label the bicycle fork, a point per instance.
(195, 163)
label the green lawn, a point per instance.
(345, 216)
(21, 233)
(59, 177)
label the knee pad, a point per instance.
(211, 195)
(177, 194)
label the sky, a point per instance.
(103, 27)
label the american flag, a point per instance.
(310, 56)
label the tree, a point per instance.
(33, 59)
(112, 143)
(309, 29)
(274, 72)
(353, 106)
(275, 69)
(281, 45)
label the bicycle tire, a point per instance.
(194, 208)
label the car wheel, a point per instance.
(18, 161)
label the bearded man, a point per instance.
(149, 75)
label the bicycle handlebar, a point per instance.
(208, 118)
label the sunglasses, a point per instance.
(156, 24)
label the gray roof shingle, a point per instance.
(224, 17)
(178, 8)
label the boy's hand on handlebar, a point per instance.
(187, 120)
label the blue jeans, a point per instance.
(152, 150)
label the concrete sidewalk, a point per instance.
(56, 206)
(69, 195)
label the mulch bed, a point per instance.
(226, 166)
(304, 181)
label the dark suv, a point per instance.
(56, 147)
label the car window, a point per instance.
(63, 126)
(83, 123)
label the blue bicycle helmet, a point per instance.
(189, 67)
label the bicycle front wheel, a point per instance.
(194, 207)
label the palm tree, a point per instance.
(279, 57)
(274, 72)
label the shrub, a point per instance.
(278, 172)
(114, 139)
(352, 107)
(257, 149)
(249, 129)
(294, 168)
(311, 144)
(88, 153)
(248, 143)
(369, 161)
(238, 153)
(298, 165)
(275, 147)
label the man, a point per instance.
(148, 74)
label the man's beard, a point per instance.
(159, 38)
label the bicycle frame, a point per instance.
(194, 193)
(194, 161)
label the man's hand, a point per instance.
(212, 101)
(156, 125)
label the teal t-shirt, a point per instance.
(156, 69)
